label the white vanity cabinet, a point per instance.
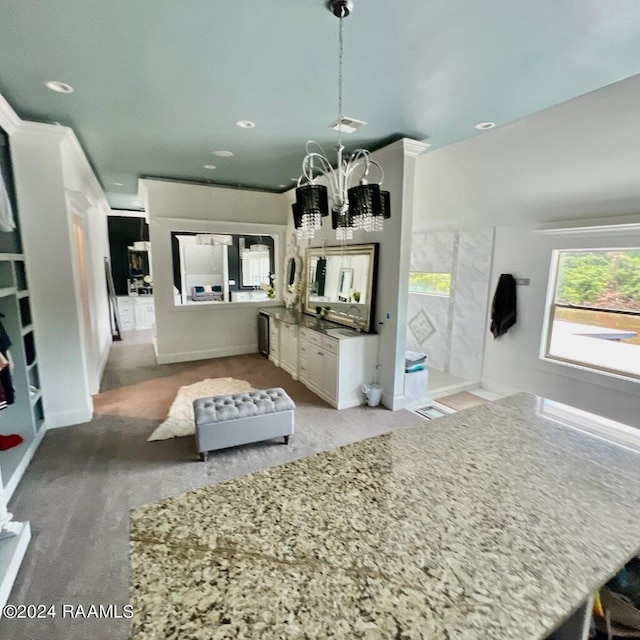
(288, 348)
(274, 341)
(336, 368)
(136, 312)
(333, 362)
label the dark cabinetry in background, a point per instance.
(123, 232)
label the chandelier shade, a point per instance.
(297, 215)
(385, 200)
(312, 205)
(313, 199)
(363, 206)
(341, 222)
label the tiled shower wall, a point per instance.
(451, 330)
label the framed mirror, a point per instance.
(292, 273)
(342, 280)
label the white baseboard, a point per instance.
(394, 404)
(501, 389)
(103, 362)
(57, 419)
(205, 354)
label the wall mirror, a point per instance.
(292, 273)
(342, 280)
(215, 267)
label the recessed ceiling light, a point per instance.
(209, 166)
(485, 125)
(59, 87)
(118, 184)
(245, 124)
(223, 154)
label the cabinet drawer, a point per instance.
(305, 348)
(311, 336)
(126, 323)
(330, 345)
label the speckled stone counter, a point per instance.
(311, 322)
(492, 523)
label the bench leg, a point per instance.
(286, 439)
(204, 455)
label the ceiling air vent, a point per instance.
(347, 125)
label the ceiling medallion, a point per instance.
(362, 206)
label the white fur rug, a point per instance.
(180, 421)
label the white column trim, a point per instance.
(9, 119)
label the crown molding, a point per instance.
(9, 119)
(614, 225)
(409, 147)
(413, 148)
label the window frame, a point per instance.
(550, 311)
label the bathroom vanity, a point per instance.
(136, 312)
(331, 360)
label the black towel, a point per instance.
(503, 309)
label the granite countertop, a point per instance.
(491, 523)
(325, 327)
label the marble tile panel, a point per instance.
(466, 347)
(432, 252)
(470, 300)
(475, 250)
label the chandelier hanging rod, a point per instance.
(360, 158)
(363, 206)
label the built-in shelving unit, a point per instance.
(26, 415)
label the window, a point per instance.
(438, 284)
(594, 310)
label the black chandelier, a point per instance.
(363, 206)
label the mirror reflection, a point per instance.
(219, 268)
(139, 271)
(340, 280)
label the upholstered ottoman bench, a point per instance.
(241, 418)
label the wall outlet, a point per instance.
(388, 316)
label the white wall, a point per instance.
(193, 332)
(49, 167)
(80, 181)
(512, 361)
(577, 160)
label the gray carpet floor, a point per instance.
(83, 480)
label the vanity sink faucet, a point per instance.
(358, 320)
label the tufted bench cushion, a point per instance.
(241, 418)
(241, 405)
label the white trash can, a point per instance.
(373, 393)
